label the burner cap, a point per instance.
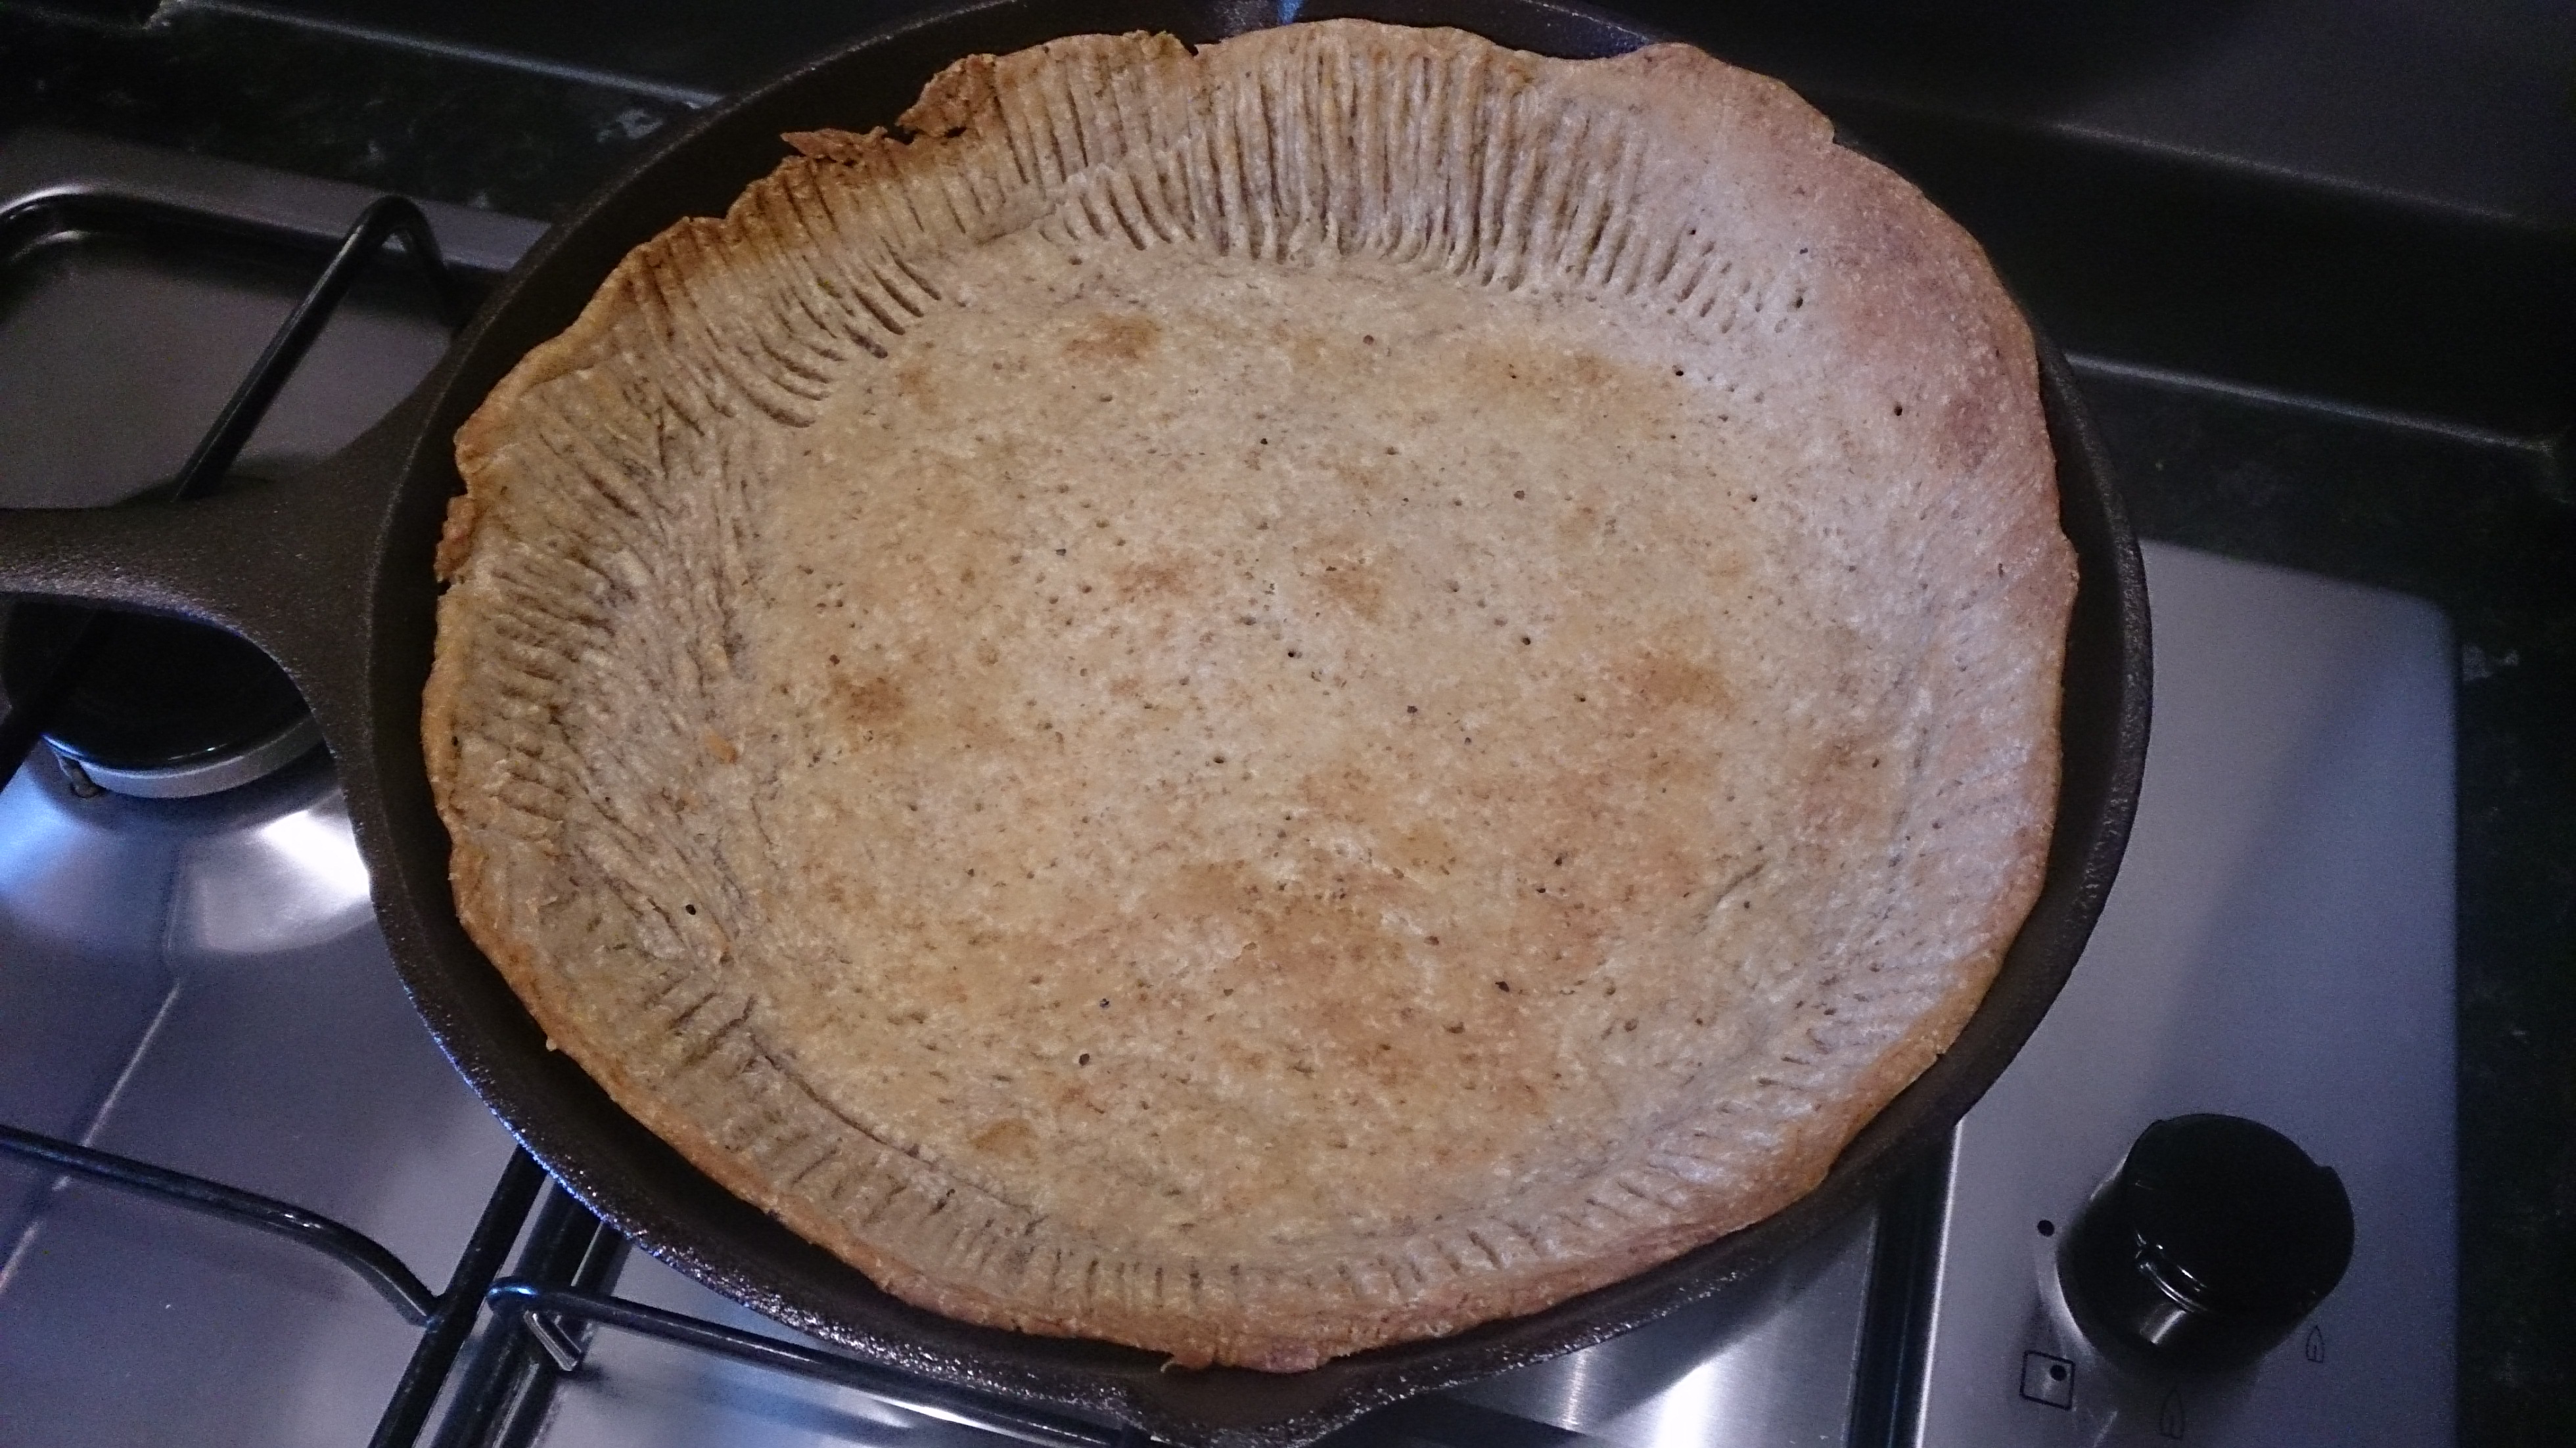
(167, 709)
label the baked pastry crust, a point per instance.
(1264, 701)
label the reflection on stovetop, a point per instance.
(198, 985)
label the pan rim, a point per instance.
(613, 1178)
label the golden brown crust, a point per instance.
(823, 728)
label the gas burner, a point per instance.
(166, 709)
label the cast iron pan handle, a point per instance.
(277, 565)
(287, 565)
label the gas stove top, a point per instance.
(197, 984)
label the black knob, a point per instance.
(2216, 1237)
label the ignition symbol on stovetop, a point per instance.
(2048, 1378)
(2169, 1418)
(2315, 1347)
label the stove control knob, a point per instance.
(2216, 1238)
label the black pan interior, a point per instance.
(646, 1190)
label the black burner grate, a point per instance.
(542, 1316)
(131, 694)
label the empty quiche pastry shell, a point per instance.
(1267, 700)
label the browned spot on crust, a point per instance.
(1154, 578)
(1355, 586)
(1548, 375)
(913, 383)
(1013, 1137)
(1121, 337)
(872, 701)
(1424, 849)
(1322, 948)
(1661, 679)
(1361, 480)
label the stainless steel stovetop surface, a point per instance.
(200, 984)
(2279, 947)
